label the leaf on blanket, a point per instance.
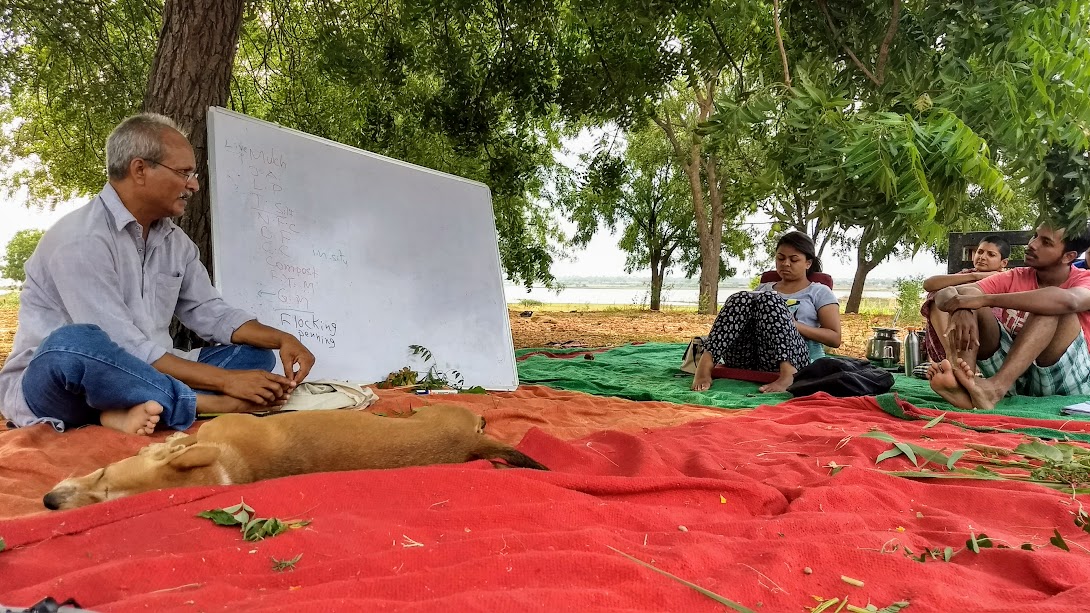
(892, 453)
(3, 545)
(710, 594)
(1040, 451)
(935, 422)
(283, 565)
(254, 529)
(1058, 540)
(220, 517)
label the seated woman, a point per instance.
(778, 327)
(991, 257)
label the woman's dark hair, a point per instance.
(804, 244)
(1004, 246)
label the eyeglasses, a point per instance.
(189, 176)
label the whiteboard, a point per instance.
(358, 255)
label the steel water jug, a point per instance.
(913, 346)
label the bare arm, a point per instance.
(292, 352)
(194, 374)
(1043, 301)
(829, 332)
(934, 284)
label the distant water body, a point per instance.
(637, 295)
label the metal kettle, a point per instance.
(884, 348)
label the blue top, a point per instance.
(804, 305)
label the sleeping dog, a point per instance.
(240, 448)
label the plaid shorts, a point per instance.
(1068, 377)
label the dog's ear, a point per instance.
(194, 456)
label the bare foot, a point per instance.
(215, 403)
(945, 384)
(779, 385)
(140, 419)
(983, 393)
(702, 381)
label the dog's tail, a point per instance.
(494, 450)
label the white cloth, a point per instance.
(329, 394)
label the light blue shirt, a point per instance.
(804, 306)
(94, 267)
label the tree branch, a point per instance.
(726, 53)
(836, 34)
(891, 31)
(779, 41)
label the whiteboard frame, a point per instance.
(213, 188)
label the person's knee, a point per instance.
(253, 357)
(73, 336)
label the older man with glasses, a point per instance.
(93, 344)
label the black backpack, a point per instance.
(841, 377)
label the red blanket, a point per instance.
(740, 506)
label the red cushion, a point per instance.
(823, 278)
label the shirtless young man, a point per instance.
(1039, 348)
(93, 343)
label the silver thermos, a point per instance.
(913, 351)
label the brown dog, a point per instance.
(242, 448)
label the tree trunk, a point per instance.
(867, 263)
(856, 296)
(658, 270)
(192, 71)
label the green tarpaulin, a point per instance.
(650, 372)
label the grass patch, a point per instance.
(9, 300)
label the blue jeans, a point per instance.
(78, 372)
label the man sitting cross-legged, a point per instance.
(1040, 346)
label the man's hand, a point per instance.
(963, 332)
(257, 386)
(292, 352)
(964, 301)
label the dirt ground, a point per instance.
(593, 328)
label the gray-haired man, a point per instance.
(101, 288)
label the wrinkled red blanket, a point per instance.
(741, 505)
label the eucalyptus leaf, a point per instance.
(934, 422)
(907, 450)
(892, 453)
(878, 434)
(716, 597)
(954, 457)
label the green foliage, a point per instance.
(434, 378)
(463, 91)
(642, 191)
(9, 300)
(530, 302)
(909, 293)
(285, 565)
(17, 252)
(252, 528)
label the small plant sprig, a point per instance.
(435, 378)
(252, 528)
(285, 565)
